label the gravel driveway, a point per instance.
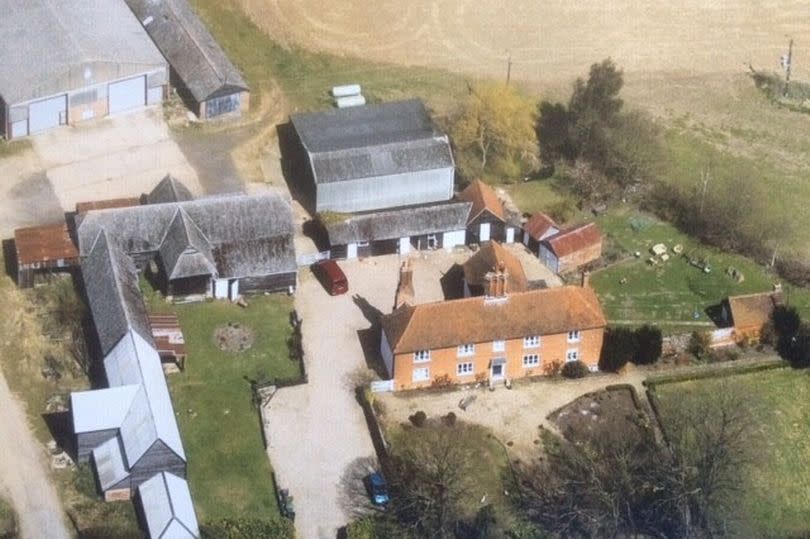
(24, 475)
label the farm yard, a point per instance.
(773, 498)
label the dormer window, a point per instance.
(531, 342)
(498, 346)
(574, 336)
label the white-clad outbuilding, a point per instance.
(65, 61)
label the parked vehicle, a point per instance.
(377, 489)
(331, 277)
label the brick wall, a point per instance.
(444, 362)
(580, 258)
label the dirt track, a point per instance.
(24, 476)
(550, 40)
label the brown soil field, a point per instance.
(547, 40)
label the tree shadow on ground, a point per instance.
(354, 495)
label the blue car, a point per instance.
(377, 489)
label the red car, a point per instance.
(331, 277)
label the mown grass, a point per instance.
(773, 498)
(306, 77)
(228, 469)
(673, 294)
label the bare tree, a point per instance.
(623, 485)
(428, 479)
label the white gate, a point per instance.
(127, 94)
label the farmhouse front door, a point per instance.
(497, 370)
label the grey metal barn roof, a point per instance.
(372, 140)
(51, 46)
(400, 223)
(167, 507)
(229, 223)
(189, 47)
(169, 189)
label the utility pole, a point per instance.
(509, 68)
(788, 63)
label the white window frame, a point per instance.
(531, 361)
(572, 354)
(498, 346)
(574, 335)
(465, 350)
(425, 378)
(532, 341)
(421, 356)
(465, 369)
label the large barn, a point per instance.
(204, 77)
(65, 61)
(373, 157)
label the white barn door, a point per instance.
(47, 114)
(127, 94)
(510, 235)
(484, 232)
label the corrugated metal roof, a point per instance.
(151, 417)
(372, 140)
(110, 466)
(539, 226)
(167, 507)
(189, 47)
(101, 409)
(574, 239)
(54, 46)
(47, 243)
(400, 223)
(232, 225)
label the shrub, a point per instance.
(552, 368)
(786, 320)
(618, 348)
(649, 344)
(700, 344)
(575, 369)
(441, 381)
(449, 419)
(248, 528)
(418, 419)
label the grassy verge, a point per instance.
(8, 521)
(9, 148)
(673, 294)
(228, 469)
(774, 497)
(306, 77)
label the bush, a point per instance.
(440, 381)
(786, 320)
(248, 528)
(575, 369)
(700, 344)
(552, 368)
(418, 419)
(449, 419)
(649, 344)
(618, 348)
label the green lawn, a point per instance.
(669, 294)
(775, 498)
(306, 77)
(229, 471)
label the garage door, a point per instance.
(127, 94)
(47, 113)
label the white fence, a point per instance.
(382, 386)
(311, 258)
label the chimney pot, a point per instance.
(586, 279)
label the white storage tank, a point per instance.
(350, 101)
(346, 90)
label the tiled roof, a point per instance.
(539, 225)
(574, 239)
(753, 310)
(446, 324)
(489, 258)
(483, 197)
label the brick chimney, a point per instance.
(497, 282)
(405, 293)
(586, 279)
